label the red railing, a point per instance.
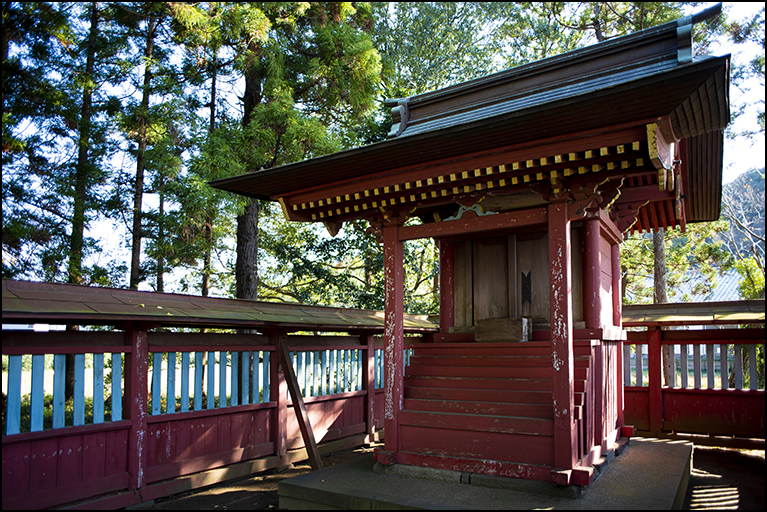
(712, 390)
(182, 410)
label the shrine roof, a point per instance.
(633, 80)
(30, 302)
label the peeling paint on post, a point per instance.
(393, 334)
(561, 336)
(136, 371)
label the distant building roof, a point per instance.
(726, 289)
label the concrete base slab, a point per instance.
(650, 474)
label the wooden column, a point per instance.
(368, 384)
(446, 286)
(617, 295)
(393, 334)
(278, 393)
(592, 275)
(655, 377)
(135, 404)
(565, 442)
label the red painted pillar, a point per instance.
(368, 383)
(618, 322)
(655, 379)
(565, 442)
(617, 295)
(446, 286)
(278, 392)
(136, 370)
(592, 275)
(393, 334)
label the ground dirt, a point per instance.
(721, 479)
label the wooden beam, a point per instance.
(298, 405)
(468, 224)
(565, 442)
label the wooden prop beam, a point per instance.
(298, 405)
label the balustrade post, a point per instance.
(655, 376)
(135, 404)
(278, 392)
(368, 383)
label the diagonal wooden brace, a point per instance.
(298, 405)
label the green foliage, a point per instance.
(695, 255)
(751, 285)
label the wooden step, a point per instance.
(476, 360)
(480, 395)
(477, 422)
(480, 383)
(493, 349)
(543, 411)
(478, 372)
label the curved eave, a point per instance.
(612, 104)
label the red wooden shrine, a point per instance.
(529, 179)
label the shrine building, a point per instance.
(529, 179)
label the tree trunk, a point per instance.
(81, 183)
(660, 296)
(139, 186)
(246, 271)
(208, 227)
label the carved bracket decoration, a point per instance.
(590, 198)
(400, 114)
(625, 214)
(377, 225)
(476, 208)
(376, 229)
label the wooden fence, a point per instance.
(159, 413)
(716, 387)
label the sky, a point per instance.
(742, 154)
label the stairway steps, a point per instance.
(541, 411)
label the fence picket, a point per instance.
(753, 380)
(117, 379)
(222, 364)
(37, 398)
(79, 391)
(198, 369)
(170, 392)
(265, 372)
(184, 381)
(211, 398)
(59, 379)
(738, 366)
(98, 388)
(13, 414)
(235, 378)
(724, 369)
